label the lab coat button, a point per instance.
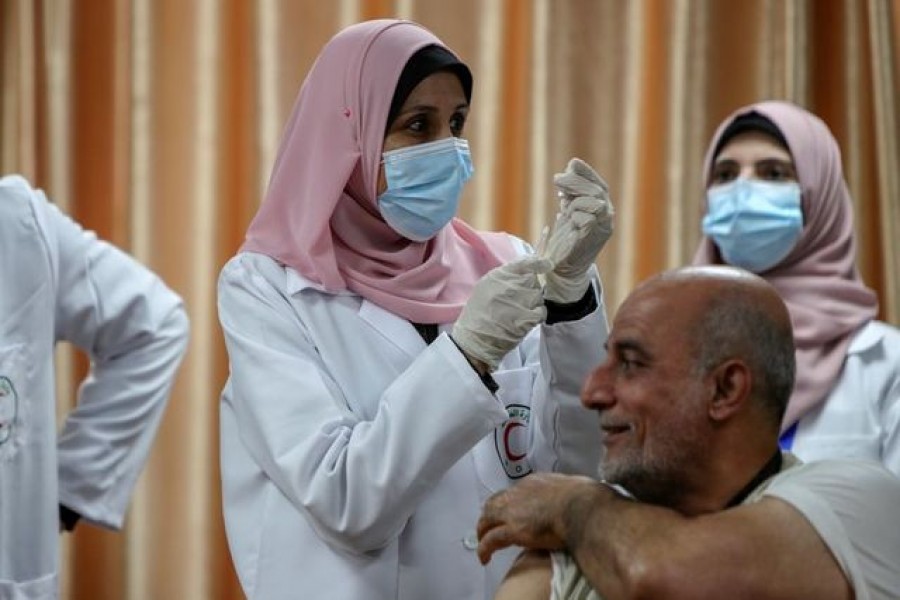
(470, 541)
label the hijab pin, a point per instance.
(347, 112)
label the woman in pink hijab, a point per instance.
(778, 205)
(391, 367)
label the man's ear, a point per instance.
(732, 381)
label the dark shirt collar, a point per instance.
(769, 469)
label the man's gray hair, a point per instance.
(737, 326)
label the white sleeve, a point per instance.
(566, 435)
(570, 350)
(134, 330)
(890, 402)
(852, 504)
(567, 581)
(357, 480)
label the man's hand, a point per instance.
(532, 513)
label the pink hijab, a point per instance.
(320, 213)
(818, 280)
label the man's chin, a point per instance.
(616, 471)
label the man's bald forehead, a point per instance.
(712, 314)
(706, 285)
(712, 275)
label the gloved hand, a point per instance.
(504, 306)
(583, 224)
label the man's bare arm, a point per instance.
(528, 578)
(626, 549)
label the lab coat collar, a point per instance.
(865, 338)
(296, 282)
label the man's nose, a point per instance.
(596, 393)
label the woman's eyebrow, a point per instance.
(776, 159)
(430, 108)
(419, 108)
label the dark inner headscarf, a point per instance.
(423, 63)
(752, 121)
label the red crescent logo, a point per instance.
(506, 432)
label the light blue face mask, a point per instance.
(424, 183)
(754, 223)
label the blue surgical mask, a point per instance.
(424, 183)
(754, 223)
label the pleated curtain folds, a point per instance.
(155, 123)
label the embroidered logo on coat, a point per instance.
(9, 409)
(513, 439)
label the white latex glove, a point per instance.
(583, 225)
(504, 306)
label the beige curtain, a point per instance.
(155, 122)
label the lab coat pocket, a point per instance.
(13, 406)
(504, 455)
(42, 588)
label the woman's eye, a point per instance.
(722, 175)
(417, 124)
(776, 171)
(457, 122)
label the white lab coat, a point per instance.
(58, 282)
(861, 416)
(355, 459)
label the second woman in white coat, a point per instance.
(391, 367)
(778, 205)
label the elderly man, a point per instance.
(700, 368)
